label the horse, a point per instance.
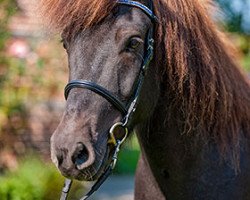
(192, 114)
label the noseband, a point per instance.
(126, 110)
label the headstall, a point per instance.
(126, 110)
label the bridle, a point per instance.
(127, 111)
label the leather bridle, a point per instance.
(126, 110)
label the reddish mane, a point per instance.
(61, 14)
(204, 82)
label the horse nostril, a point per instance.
(59, 159)
(80, 155)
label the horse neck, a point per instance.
(229, 117)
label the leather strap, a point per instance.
(127, 112)
(144, 8)
(98, 90)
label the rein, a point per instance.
(119, 131)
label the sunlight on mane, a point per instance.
(61, 14)
(205, 84)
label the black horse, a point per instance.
(189, 106)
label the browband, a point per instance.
(144, 8)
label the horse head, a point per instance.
(106, 61)
(191, 102)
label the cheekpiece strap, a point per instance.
(144, 8)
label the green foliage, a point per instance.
(34, 180)
(28, 78)
(242, 42)
(246, 62)
(7, 9)
(127, 161)
(236, 16)
(128, 157)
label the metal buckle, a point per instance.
(116, 135)
(66, 188)
(151, 44)
(117, 141)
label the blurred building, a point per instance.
(36, 75)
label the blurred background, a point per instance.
(33, 72)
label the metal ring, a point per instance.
(113, 140)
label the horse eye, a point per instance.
(133, 44)
(63, 43)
